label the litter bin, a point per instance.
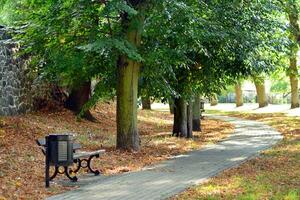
(59, 152)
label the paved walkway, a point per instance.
(175, 175)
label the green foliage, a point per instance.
(55, 35)
(6, 14)
(187, 46)
(280, 82)
(200, 47)
(120, 46)
(280, 86)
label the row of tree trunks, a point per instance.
(187, 117)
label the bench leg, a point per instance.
(84, 163)
(67, 173)
(96, 172)
(78, 162)
(47, 176)
(54, 174)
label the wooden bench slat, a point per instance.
(81, 154)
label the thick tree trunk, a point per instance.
(262, 98)
(78, 97)
(146, 103)
(180, 118)
(239, 95)
(127, 88)
(196, 114)
(214, 100)
(190, 120)
(127, 132)
(293, 71)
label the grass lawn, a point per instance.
(273, 175)
(22, 162)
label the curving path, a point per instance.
(175, 175)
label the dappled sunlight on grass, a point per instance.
(214, 190)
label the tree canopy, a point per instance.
(174, 48)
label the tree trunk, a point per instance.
(180, 118)
(190, 120)
(196, 114)
(239, 95)
(262, 98)
(146, 103)
(214, 100)
(78, 97)
(293, 71)
(293, 74)
(127, 88)
(171, 105)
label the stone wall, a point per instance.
(14, 98)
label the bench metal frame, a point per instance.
(82, 159)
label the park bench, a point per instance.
(81, 159)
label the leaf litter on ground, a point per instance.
(22, 162)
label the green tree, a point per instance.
(217, 48)
(128, 77)
(181, 48)
(292, 9)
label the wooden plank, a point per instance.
(87, 153)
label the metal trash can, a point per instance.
(59, 152)
(60, 149)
